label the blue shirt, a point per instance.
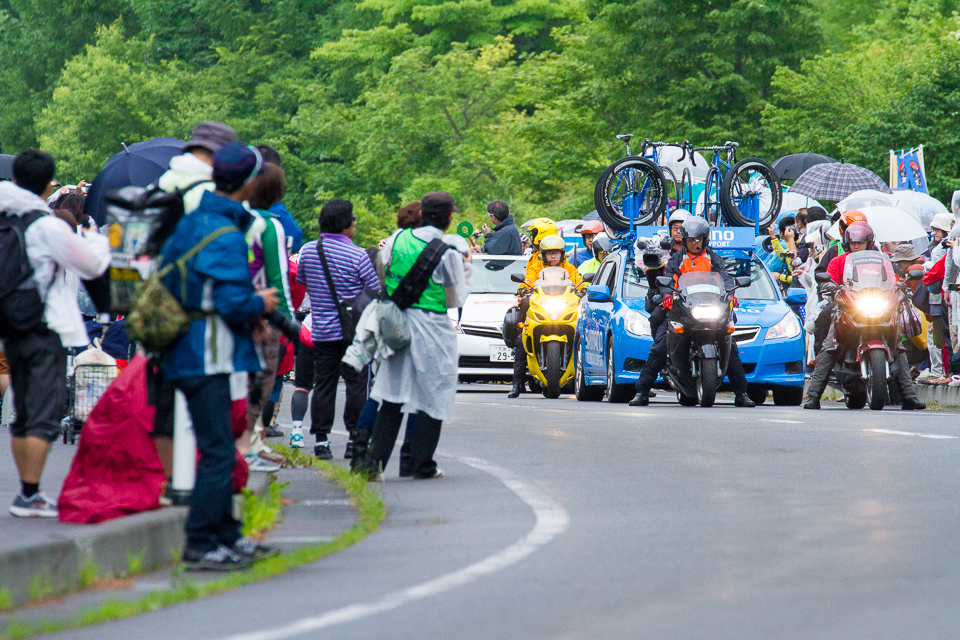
(351, 269)
(290, 227)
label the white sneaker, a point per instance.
(296, 438)
(36, 507)
(927, 377)
(256, 463)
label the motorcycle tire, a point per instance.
(759, 396)
(686, 401)
(612, 187)
(855, 400)
(787, 396)
(736, 182)
(553, 369)
(583, 391)
(707, 382)
(877, 381)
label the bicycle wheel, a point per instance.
(711, 199)
(685, 201)
(630, 177)
(751, 188)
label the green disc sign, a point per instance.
(465, 229)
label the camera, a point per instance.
(289, 328)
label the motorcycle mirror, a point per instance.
(743, 281)
(665, 281)
(822, 277)
(589, 276)
(516, 277)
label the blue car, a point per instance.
(613, 332)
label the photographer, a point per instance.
(783, 248)
(504, 239)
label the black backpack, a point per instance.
(21, 308)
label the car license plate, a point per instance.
(501, 354)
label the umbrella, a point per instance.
(138, 165)
(669, 157)
(836, 180)
(794, 202)
(593, 215)
(6, 166)
(792, 167)
(889, 225)
(866, 198)
(920, 205)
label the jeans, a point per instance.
(327, 371)
(210, 521)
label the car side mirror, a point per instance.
(598, 293)
(822, 278)
(517, 277)
(665, 281)
(742, 281)
(588, 277)
(796, 296)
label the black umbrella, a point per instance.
(6, 166)
(138, 165)
(792, 167)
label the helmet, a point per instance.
(943, 222)
(695, 228)
(849, 217)
(603, 244)
(553, 243)
(540, 228)
(858, 232)
(678, 216)
(594, 227)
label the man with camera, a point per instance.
(504, 238)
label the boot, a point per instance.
(640, 400)
(812, 403)
(743, 400)
(912, 404)
(516, 391)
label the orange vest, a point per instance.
(694, 263)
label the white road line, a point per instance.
(299, 539)
(320, 503)
(552, 520)
(911, 433)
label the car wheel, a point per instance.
(615, 392)
(787, 396)
(583, 391)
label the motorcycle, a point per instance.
(865, 324)
(700, 332)
(548, 329)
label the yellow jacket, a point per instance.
(535, 265)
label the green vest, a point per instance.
(406, 249)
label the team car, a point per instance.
(613, 333)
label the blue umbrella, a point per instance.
(138, 165)
(6, 166)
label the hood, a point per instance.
(184, 171)
(257, 226)
(486, 308)
(18, 200)
(238, 214)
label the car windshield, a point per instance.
(761, 286)
(493, 276)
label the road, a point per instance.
(560, 519)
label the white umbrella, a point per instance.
(669, 157)
(889, 225)
(922, 206)
(796, 201)
(866, 198)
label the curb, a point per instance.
(938, 394)
(148, 540)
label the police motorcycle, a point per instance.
(701, 327)
(549, 328)
(866, 325)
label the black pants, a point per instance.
(738, 378)
(210, 521)
(327, 371)
(827, 359)
(657, 357)
(38, 375)
(519, 353)
(821, 326)
(423, 443)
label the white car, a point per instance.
(483, 354)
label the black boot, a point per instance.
(912, 404)
(812, 403)
(516, 391)
(640, 400)
(743, 400)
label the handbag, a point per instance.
(348, 309)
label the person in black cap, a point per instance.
(423, 377)
(504, 239)
(218, 293)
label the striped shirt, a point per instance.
(351, 269)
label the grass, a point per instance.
(369, 505)
(262, 514)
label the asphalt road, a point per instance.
(560, 519)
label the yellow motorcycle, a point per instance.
(548, 329)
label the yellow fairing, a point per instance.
(548, 330)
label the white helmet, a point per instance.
(678, 216)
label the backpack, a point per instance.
(21, 307)
(158, 320)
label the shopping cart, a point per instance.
(85, 387)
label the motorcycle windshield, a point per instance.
(553, 281)
(701, 285)
(868, 270)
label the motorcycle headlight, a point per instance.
(707, 312)
(788, 327)
(554, 306)
(637, 324)
(872, 306)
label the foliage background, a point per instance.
(381, 101)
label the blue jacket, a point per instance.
(218, 284)
(578, 255)
(290, 227)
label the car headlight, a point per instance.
(872, 306)
(554, 307)
(788, 327)
(707, 312)
(637, 324)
